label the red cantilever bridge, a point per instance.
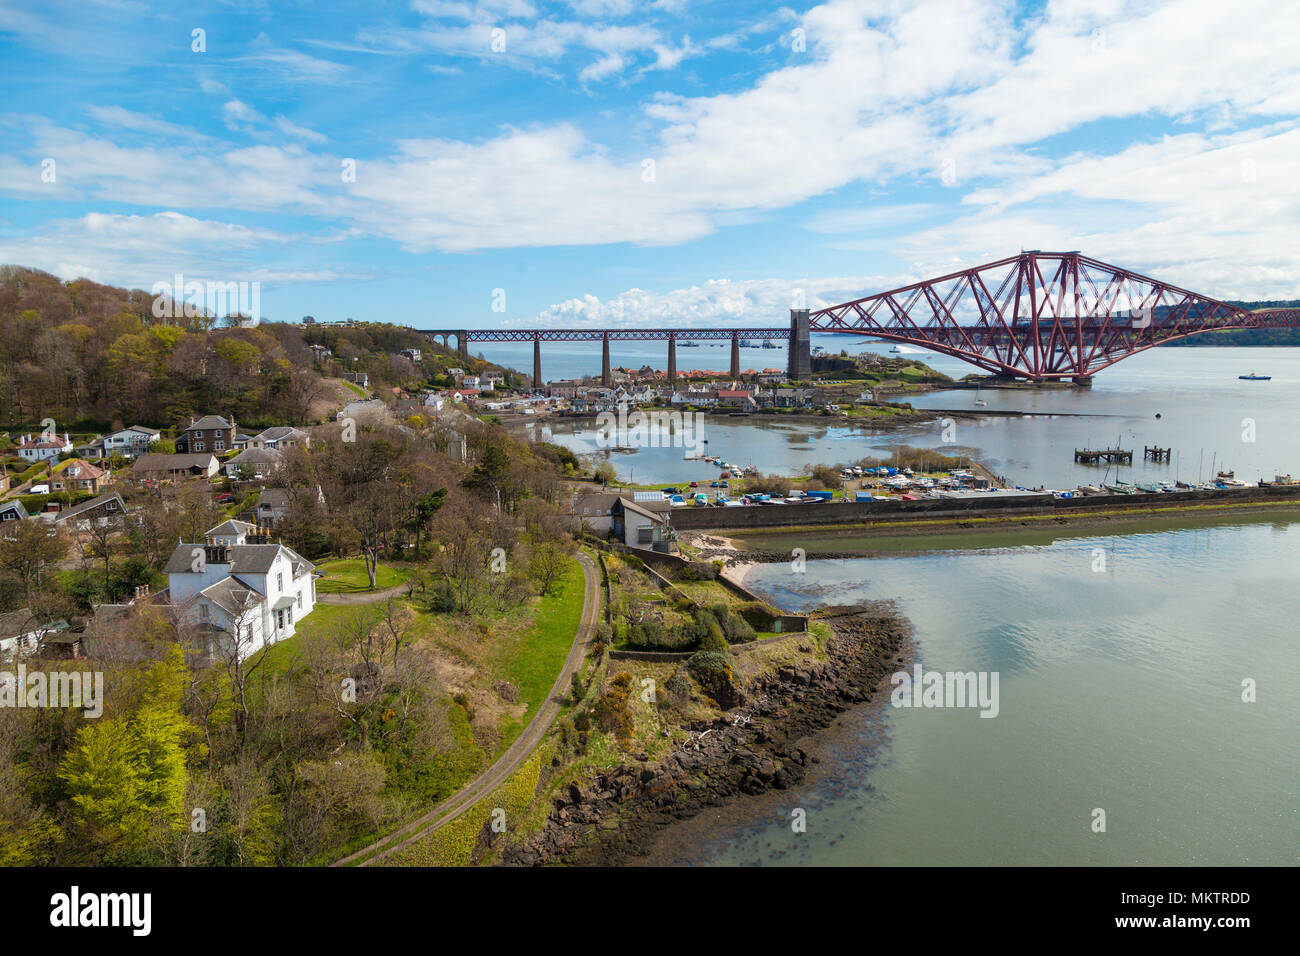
(1039, 316)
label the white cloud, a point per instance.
(138, 251)
(762, 302)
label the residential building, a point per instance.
(641, 524)
(171, 467)
(21, 633)
(211, 433)
(77, 476)
(254, 464)
(241, 597)
(44, 447)
(281, 436)
(12, 511)
(129, 442)
(272, 506)
(105, 510)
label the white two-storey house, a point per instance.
(241, 596)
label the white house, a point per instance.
(242, 596)
(130, 442)
(44, 447)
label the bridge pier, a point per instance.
(605, 377)
(1083, 381)
(462, 343)
(672, 360)
(537, 363)
(800, 362)
(735, 355)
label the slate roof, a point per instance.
(281, 432)
(242, 558)
(172, 462)
(231, 596)
(91, 505)
(209, 422)
(256, 456)
(231, 526)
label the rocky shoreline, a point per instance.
(759, 746)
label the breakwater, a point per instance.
(854, 512)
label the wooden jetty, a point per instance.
(1097, 456)
(1156, 454)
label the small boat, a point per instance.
(1225, 474)
(1090, 490)
(1252, 377)
(1184, 485)
(1121, 488)
(1148, 487)
(980, 403)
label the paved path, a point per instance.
(510, 761)
(356, 599)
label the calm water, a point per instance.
(1210, 419)
(1119, 689)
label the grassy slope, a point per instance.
(348, 576)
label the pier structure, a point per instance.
(1098, 456)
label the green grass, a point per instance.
(348, 576)
(535, 662)
(281, 656)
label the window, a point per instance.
(279, 582)
(220, 446)
(203, 612)
(199, 446)
(300, 600)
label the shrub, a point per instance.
(612, 711)
(441, 598)
(712, 671)
(736, 629)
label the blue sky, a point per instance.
(612, 162)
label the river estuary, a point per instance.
(1122, 658)
(1121, 662)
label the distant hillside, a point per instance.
(1244, 337)
(89, 355)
